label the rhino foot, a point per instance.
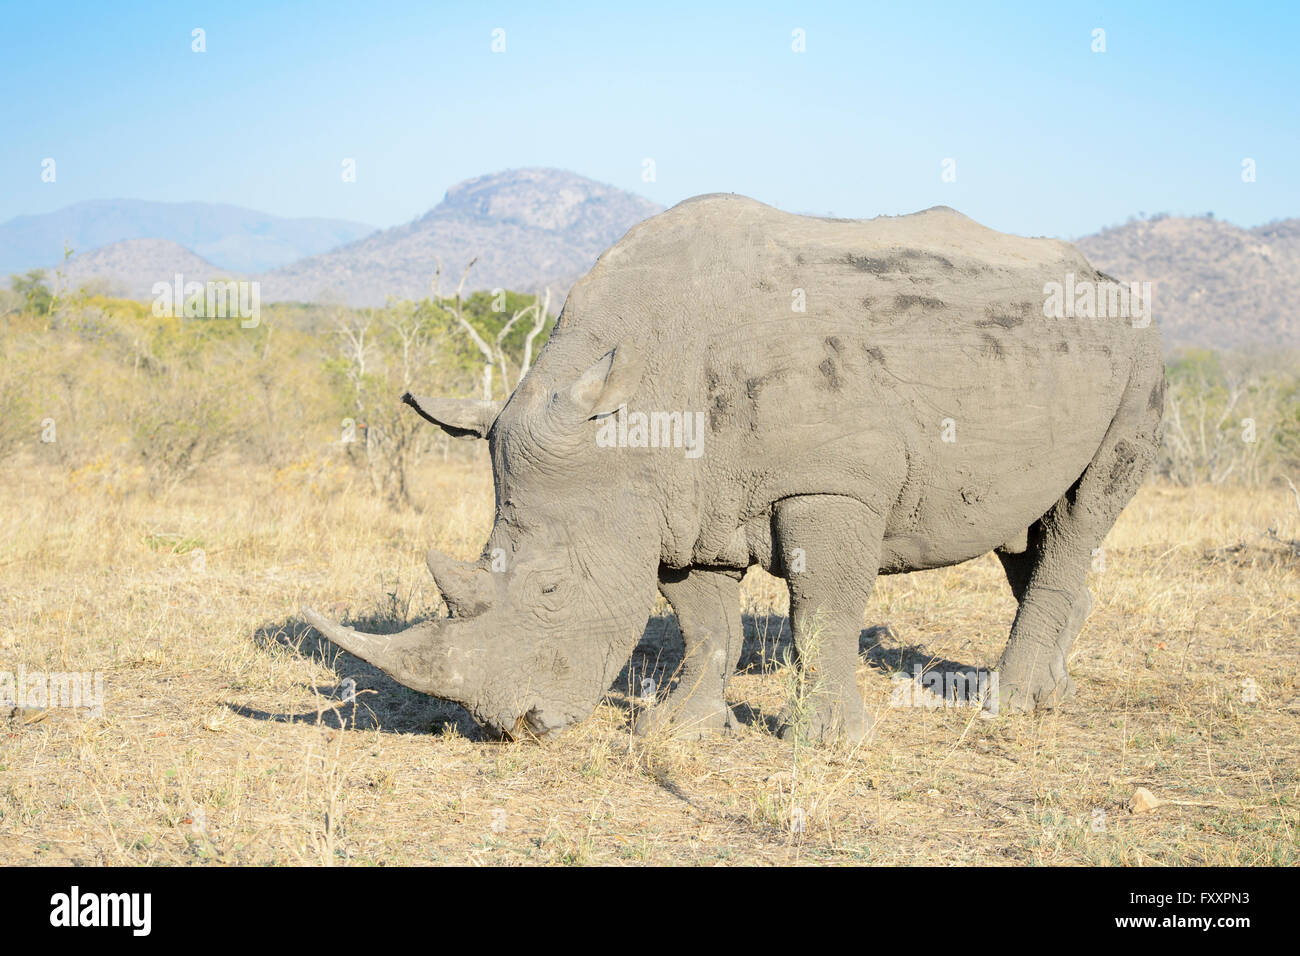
(1035, 676)
(1043, 691)
(692, 719)
(827, 722)
(1044, 687)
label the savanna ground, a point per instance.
(223, 738)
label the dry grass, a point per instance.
(223, 739)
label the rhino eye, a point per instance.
(550, 589)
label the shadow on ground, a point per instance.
(768, 645)
(379, 702)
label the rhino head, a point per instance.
(542, 622)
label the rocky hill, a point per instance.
(529, 228)
(131, 267)
(1215, 285)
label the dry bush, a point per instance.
(1231, 417)
(18, 423)
(178, 426)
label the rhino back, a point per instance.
(921, 369)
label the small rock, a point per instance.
(1142, 801)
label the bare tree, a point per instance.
(382, 353)
(1201, 449)
(1224, 421)
(538, 311)
(494, 353)
(353, 329)
(539, 321)
(458, 313)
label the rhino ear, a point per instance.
(609, 383)
(459, 417)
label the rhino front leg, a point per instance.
(707, 604)
(829, 549)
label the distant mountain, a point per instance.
(228, 236)
(1215, 285)
(529, 228)
(131, 267)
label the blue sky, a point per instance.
(1048, 137)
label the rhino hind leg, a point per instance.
(1032, 672)
(829, 551)
(1048, 578)
(707, 603)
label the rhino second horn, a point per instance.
(465, 587)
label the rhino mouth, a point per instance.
(540, 725)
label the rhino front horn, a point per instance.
(419, 657)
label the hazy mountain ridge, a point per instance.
(231, 237)
(1215, 284)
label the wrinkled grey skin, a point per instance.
(824, 460)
